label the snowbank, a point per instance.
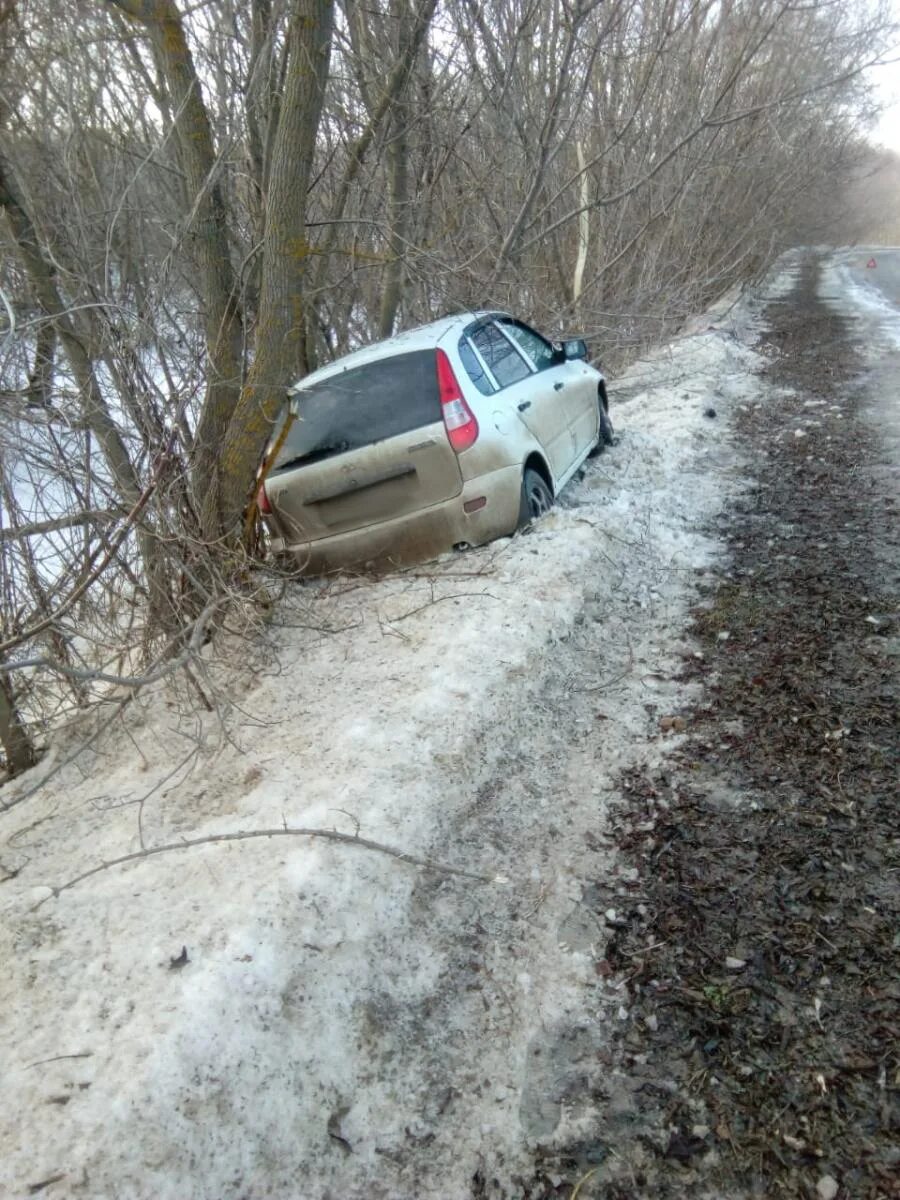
(348, 1024)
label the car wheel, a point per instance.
(537, 499)
(605, 434)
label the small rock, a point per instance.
(652, 1022)
(672, 724)
(735, 964)
(827, 1187)
(598, 1152)
(180, 960)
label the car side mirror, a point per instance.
(574, 348)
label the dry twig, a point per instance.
(331, 835)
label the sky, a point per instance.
(887, 130)
(886, 79)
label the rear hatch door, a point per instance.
(367, 444)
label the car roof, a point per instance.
(422, 337)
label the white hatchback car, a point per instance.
(447, 435)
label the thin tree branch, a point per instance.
(331, 835)
(37, 528)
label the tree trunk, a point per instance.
(584, 229)
(398, 177)
(396, 82)
(207, 223)
(398, 220)
(281, 336)
(14, 737)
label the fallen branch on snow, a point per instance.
(331, 835)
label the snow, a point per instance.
(349, 1024)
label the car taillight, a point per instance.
(459, 420)
(262, 500)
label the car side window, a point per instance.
(537, 348)
(505, 362)
(474, 369)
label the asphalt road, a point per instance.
(885, 275)
(877, 338)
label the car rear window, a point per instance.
(365, 404)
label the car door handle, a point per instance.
(525, 404)
(558, 387)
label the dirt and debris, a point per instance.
(762, 1057)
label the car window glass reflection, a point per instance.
(474, 369)
(538, 350)
(505, 362)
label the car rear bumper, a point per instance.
(418, 536)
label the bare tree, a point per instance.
(201, 203)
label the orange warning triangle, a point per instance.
(871, 263)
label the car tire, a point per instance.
(605, 433)
(537, 499)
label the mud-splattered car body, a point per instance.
(414, 445)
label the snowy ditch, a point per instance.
(346, 1023)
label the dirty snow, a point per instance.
(346, 1023)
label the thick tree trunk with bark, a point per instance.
(281, 335)
(398, 219)
(398, 175)
(17, 747)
